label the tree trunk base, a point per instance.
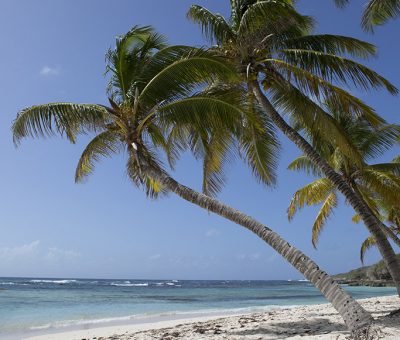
(368, 332)
(394, 313)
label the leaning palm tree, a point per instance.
(158, 106)
(291, 72)
(376, 12)
(378, 184)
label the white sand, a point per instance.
(303, 322)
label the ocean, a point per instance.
(33, 306)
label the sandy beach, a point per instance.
(302, 322)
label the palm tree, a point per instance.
(378, 184)
(388, 213)
(270, 44)
(155, 108)
(376, 12)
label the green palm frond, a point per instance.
(200, 112)
(335, 68)
(326, 210)
(259, 146)
(366, 245)
(272, 16)
(313, 193)
(217, 153)
(214, 26)
(310, 116)
(131, 53)
(386, 185)
(59, 118)
(104, 144)
(392, 168)
(375, 142)
(369, 197)
(304, 163)
(184, 76)
(379, 12)
(323, 91)
(332, 44)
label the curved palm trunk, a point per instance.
(370, 220)
(356, 318)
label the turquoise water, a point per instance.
(30, 306)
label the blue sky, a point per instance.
(53, 50)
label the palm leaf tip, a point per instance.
(103, 145)
(379, 12)
(323, 215)
(64, 119)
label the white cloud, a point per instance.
(251, 257)
(18, 252)
(155, 257)
(49, 71)
(212, 233)
(55, 255)
(33, 252)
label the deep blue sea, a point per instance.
(30, 306)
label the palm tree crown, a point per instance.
(270, 40)
(161, 98)
(378, 184)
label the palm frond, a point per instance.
(185, 75)
(331, 44)
(305, 112)
(303, 163)
(259, 145)
(131, 53)
(379, 12)
(366, 245)
(323, 214)
(334, 68)
(323, 91)
(200, 112)
(214, 26)
(217, 153)
(376, 141)
(392, 168)
(103, 145)
(384, 184)
(67, 119)
(272, 16)
(314, 193)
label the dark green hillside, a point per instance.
(374, 275)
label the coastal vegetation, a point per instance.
(375, 275)
(156, 106)
(378, 184)
(292, 72)
(265, 71)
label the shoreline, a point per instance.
(301, 322)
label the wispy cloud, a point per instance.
(212, 233)
(15, 253)
(50, 71)
(251, 257)
(155, 257)
(35, 252)
(56, 254)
